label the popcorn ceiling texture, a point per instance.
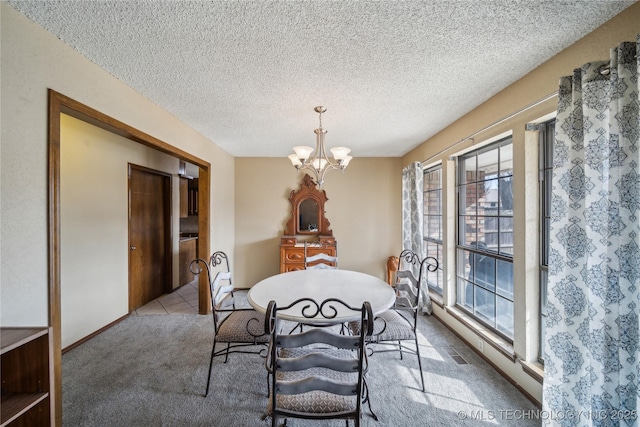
(247, 74)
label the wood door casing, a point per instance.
(149, 235)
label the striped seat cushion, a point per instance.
(315, 402)
(242, 326)
(388, 326)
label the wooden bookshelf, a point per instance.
(26, 377)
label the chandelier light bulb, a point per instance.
(339, 153)
(303, 152)
(295, 160)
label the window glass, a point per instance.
(433, 225)
(547, 131)
(485, 235)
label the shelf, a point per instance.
(16, 404)
(26, 377)
(15, 337)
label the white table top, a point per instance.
(352, 287)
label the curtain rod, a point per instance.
(521, 110)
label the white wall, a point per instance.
(33, 61)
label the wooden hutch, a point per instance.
(307, 223)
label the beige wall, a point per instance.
(364, 209)
(94, 224)
(32, 61)
(541, 82)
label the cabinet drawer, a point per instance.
(292, 267)
(316, 251)
(295, 255)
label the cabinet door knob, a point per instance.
(133, 248)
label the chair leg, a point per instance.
(366, 399)
(268, 385)
(226, 355)
(420, 363)
(213, 352)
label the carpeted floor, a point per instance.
(151, 371)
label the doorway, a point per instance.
(59, 104)
(149, 235)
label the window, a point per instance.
(485, 236)
(433, 224)
(547, 131)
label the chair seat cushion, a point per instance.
(242, 326)
(388, 326)
(315, 402)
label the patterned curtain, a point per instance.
(592, 351)
(412, 222)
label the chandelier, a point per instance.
(316, 160)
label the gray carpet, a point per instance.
(151, 371)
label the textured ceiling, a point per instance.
(247, 74)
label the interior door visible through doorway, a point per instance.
(149, 235)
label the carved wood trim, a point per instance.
(307, 191)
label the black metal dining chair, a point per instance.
(238, 327)
(396, 326)
(318, 373)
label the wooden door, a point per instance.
(149, 235)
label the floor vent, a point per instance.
(455, 356)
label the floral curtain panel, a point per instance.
(592, 349)
(412, 221)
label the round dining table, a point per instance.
(351, 287)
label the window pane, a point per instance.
(467, 230)
(504, 316)
(506, 160)
(488, 165)
(484, 304)
(488, 198)
(465, 294)
(463, 265)
(468, 168)
(545, 237)
(505, 196)
(547, 191)
(468, 199)
(505, 279)
(491, 224)
(432, 249)
(432, 203)
(433, 228)
(432, 180)
(506, 236)
(543, 291)
(484, 269)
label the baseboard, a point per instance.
(88, 337)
